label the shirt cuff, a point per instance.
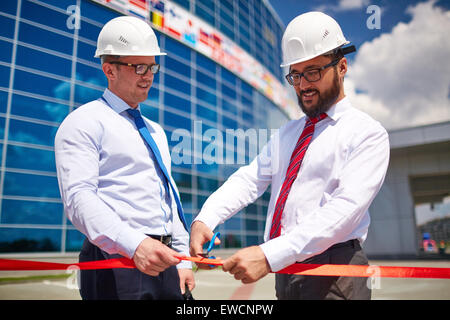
(211, 220)
(128, 241)
(278, 253)
(184, 265)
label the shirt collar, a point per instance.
(116, 103)
(338, 109)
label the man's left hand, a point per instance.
(248, 264)
(186, 278)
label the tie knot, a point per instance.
(134, 113)
(320, 117)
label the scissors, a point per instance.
(205, 254)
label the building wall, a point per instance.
(47, 70)
(393, 231)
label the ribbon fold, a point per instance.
(298, 268)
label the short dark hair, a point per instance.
(107, 58)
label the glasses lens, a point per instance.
(154, 68)
(312, 75)
(141, 69)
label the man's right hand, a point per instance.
(200, 234)
(152, 257)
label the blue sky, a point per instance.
(400, 74)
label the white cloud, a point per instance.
(402, 78)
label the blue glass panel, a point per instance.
(23, 131)
(29, 240)
(9, 6)
(31, 159)
(62, 4)
(30, 82)
(246, 88)
(183, 3)
(3, 101)
(74, 240)
(253, 240)
(205, 14)
(96, 12)
(228, 77)
(38, 108)
(86, 51)
(5, 51)
(177, 102)
(206, 80)
(227, 31)
(206, 184)
(251, 224)
(7, 29)
(84, 94)
(37, 13)
(153, 95)
(45, 39)
(42, 61)
(150, 112)
(4, 76)
(229, 106)
(177, 121)
(21, 184)
(177, 84)
(2, 127)
(182, 180)
(175, 47)
(178, 67)
(206, 113)
(208, 168)
(89, 31)
(91, 75)
(229, 123)
(205, 63)
(206, 96)
(186, 200)
(32, 212)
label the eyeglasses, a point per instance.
(311, 75)
(140, 69)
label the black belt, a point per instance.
(167, 240)
(350, 243)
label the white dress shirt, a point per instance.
(110, 182)
(341, 173)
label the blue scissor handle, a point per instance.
(211, 243)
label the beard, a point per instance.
(326, 99)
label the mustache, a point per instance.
(302, 92)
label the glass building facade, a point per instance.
(47, 69)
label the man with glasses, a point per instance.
(324, 170)
(113, 169)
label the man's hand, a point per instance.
(152, 257)
(200, 234)
(186, 278)
(248, 264)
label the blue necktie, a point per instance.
(140, 124)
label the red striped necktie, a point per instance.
(292, 172)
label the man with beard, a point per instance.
(324, 170)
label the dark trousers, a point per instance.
(299, 287)
(124, 284)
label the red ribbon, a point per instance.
(298, 268)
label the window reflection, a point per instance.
(31, 212)
(29, 240)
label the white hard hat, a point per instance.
(310, 35)
(127, 36)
